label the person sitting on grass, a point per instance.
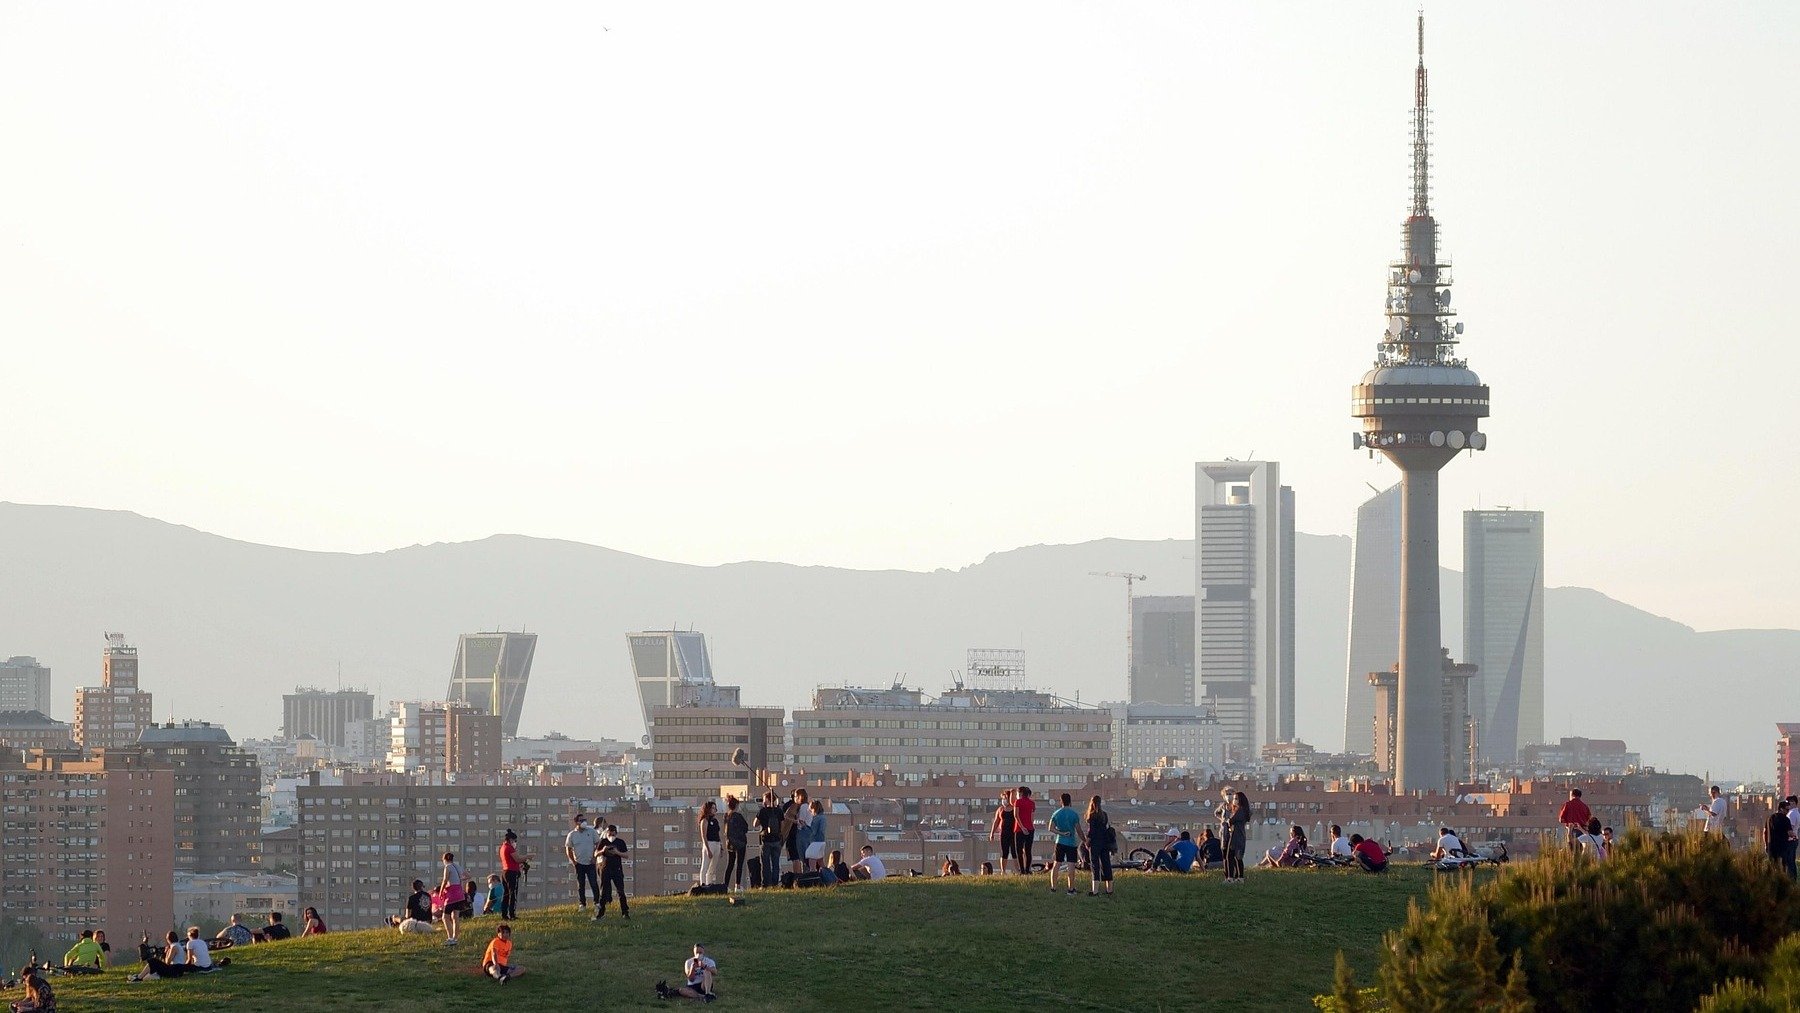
(1448, 845)
(199, 955)
(496, 961)
(172, 964)
(85, 956)
(700, 971)
(1340, 846)
(315, 926)
(275, 931)
(39, 997)
(951, 868)
(233, 934)
(1287, 853)
(1178, 855)
(870, 867)
(496, 895)
(1208, 852)
(417, 919)
(1368, 853)
(838, 867)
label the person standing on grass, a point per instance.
(1715, 811)
(768, 833)
(450, 890)
(737, 844)
(1237, 837)
(1793, 802)
(1777, 834)
(817, 842)
(1024, 808)
(1574, 817)
(711, 858)
(1065, 826)
(496, 960)
(802, 835)
(511, 869)
(579, 846)
(1100, 847)
(612, 872)
(1002, 829)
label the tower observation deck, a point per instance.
(1420, 405)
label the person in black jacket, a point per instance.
(737, 844)
(612, 872)
(768, 833)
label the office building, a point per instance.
(88, 843)
(218, 795)
(490, 673)
(32, 730)
(1162, 650)
(324, 714)
(691, 748)
(441, 739)
(1503, 626)
(1454, 727)
(1244, 600)
(113, 714)
(1146, 734)
(1420, 406)
(1010, 736)
(674, 669)
(361, 846)
(24, 685)
(1374, 613)
(1787, 761)
(1577, 755)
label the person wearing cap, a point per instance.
(510, 869)
(580, 846)
(1178, 854)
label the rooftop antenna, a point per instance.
(1421, 143)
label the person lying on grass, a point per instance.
(700, 970)
(496, 962)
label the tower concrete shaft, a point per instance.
(1420, 406)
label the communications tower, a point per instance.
(1420, 406)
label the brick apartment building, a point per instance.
(89, 844)
(32, 730)
(362, 845)
(218, 795)
(114, 713)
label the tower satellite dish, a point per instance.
(1444, 298)
(1414, 276)
(1459, 327)
(1457, 439)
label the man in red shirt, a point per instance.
(510, 868)
(1368, 853)
(1023, 808)
(1575, 817)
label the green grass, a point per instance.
(1164, 942)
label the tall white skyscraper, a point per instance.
(1374, 613)
(1244, 600)
(1503, 627)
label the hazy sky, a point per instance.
(893, 285)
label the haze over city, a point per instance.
(885, 287)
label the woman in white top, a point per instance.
(1591, 844)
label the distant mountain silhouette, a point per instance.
(225, 627)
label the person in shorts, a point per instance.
(1065, 826)
(496, 960)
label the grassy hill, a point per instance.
(1163, 942)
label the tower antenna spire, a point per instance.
(1421, 143)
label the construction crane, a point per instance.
(1131, 580)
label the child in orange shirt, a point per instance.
(496, 962)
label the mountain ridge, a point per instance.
(227, 625)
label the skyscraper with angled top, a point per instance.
(1503, 627)
(490, 673)
(1420, 406)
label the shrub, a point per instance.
(1662, 923)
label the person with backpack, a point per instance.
(768, 833)
(1065, 826)
(1102, 842)
(737, 844)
